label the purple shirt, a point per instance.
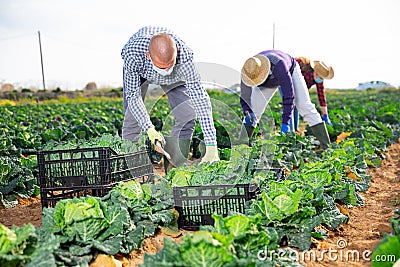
(282, 66)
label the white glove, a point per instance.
(211, 154)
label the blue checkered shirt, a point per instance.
(137, 65)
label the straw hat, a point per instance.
(322, 69)
(255, 70)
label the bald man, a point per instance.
(155, 55)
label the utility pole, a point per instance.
(41, 61)
(273, 35)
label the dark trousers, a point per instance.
(181, 107)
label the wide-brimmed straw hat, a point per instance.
(322, 69)
(255, 70)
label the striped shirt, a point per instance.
(137, 65)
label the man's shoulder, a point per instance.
(185, 54)
(135, 47)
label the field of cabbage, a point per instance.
(284, 217)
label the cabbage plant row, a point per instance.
(285, 216)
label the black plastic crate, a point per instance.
(88, 171)
(196, 204)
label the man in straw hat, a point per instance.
(261, 75)
(156, 55)
(314, 72)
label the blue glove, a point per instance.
(327, 120)
(285, 128)
(250, 119)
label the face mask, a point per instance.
(163, 72)
(318, 80)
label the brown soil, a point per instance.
(365, 229)
(367, 223)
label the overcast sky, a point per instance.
(82, 39)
